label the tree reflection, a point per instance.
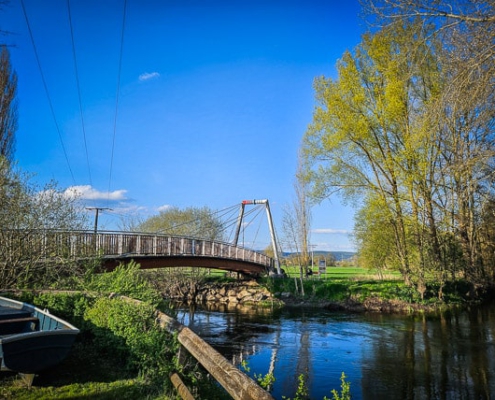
(448, 356)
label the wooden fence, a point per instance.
(235, 382)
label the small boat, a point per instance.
(31, 339)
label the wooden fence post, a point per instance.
(235, 382)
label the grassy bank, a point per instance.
(105, 362)
(120, 353)
(360, 289)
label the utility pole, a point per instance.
(97, 210)
(312, 247)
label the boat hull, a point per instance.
(31, 339)
(31, 353)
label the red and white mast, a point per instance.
(270, 225)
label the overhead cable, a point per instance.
(45, 86)
(117, 95)
(79, 93)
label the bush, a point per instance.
(129, 332)
(126, 279)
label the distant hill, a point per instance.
(337, 255)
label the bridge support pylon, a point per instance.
(270, 225)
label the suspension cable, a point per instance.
(189, 222)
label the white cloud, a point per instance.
(148, 75)
(331, 231)
(126, 209)
(165, 207)
(87, 192)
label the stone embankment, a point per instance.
(244, 292)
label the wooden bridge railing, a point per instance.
(53, 243)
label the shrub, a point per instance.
(129, 332)
(126, 279)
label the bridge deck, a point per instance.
(150, 250)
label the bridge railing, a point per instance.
(53, 243)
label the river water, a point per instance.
(448, 355)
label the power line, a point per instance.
(117, 97)
(46, 90)
(79, 93)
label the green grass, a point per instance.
(85, 374)
(342, 284)
(343, 272)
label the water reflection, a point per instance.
(444, 356)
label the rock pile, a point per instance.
(244, 292)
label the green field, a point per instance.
(353, 273)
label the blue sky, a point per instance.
(214, 99)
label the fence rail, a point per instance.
(54, 243)
(235, 382)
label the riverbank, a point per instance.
(373, 304)
(341, 295)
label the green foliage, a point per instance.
(302, 392)
(124, 389)
(129, 332)
(126, 279)
(265, 381)
(345, 393)
(388, 137)
(191, 221)
(358, 285)
(302, 389)
(25, 210)
(375, 236)
(71, 306)
(120, 352)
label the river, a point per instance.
(449, 355)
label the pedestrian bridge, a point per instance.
(149, 250)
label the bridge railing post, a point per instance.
(120, 244)
(97, 243)
(73, 245)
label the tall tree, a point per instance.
(302, 211)
(8, 106)
(194, 222)
(464, 114)
(408, 128)
(27, 212)
(296, 222)
(370, 138)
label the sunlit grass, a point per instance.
(127, 389)
(353, 273)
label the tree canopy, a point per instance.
(26, 210)
(191, 221)
(389, 134)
